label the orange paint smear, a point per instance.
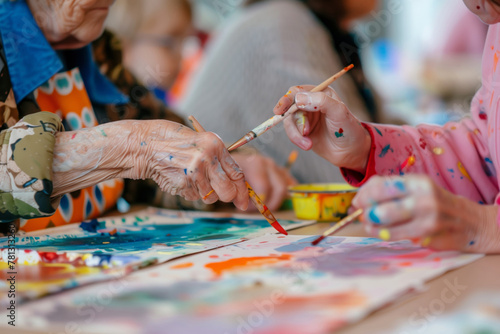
(218, 268)
(182, 265)
(406, 264)
(408, 162)
(495, 61)
(343, 300)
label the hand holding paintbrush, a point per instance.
(270, 123)
(253, 196)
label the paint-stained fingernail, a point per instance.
(278, 105)
(303, 99)
(309, 101)
(384, 234)
(374, 216)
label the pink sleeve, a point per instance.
(455, 156)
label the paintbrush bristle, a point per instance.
(317, 241)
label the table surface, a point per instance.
(413, 308)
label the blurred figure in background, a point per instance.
(452, 63)
(152, 34)
(265, 49)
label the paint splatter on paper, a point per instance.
(97, 250)
(270, 284)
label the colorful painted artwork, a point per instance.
(270, 284)
(78, 254)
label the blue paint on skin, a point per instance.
(400, 185)
(373, 217)
(488, 160)
(378, 131)
(472, 243)
(143, 143)
(385, 150)
(185, 171)
(451, 170)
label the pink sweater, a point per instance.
(462, 157)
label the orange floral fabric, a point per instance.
(65, 95)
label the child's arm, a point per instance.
(454, 156)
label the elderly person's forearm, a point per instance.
(181, 161)
(86, 157)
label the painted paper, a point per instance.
(97, 250)
(479, 314)
(270, 284)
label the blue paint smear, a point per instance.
(400, 185)
(488, 160)
(92, 226)
(185, 171)
(142, 236)
(450, 170)
(385, 150)
(373, 217)
(378, 131)
(307, 242)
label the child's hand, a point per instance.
(324, 124)
(414, 207)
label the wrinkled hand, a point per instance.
(269, 180)
(186, 163)
(414, 207)
(324, 124)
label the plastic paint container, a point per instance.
(322, 201)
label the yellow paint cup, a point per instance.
(322, 201)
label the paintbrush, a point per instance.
(263, 209)
(342, 223)
(271, 122)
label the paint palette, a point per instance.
(271, 284)
(78, 254)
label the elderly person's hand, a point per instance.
(181, 161)
(269, 180)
